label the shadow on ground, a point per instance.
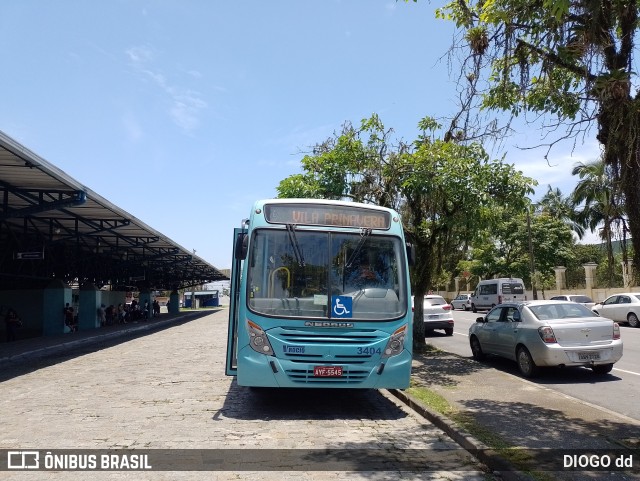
(61, 353)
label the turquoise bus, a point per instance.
(320, 297)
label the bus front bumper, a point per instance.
(258, 370)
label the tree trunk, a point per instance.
(631, 189)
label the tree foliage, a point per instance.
(571, 62)
(447, 192)
(504, 252)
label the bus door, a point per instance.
(239, 253)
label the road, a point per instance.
(616, 391)
(168, 390)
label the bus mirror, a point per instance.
(411, 253)
(240, 251)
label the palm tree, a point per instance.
(560, 207)
(602, 204)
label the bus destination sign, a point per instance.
(327, 215)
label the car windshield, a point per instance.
(434, 301)
(580, 299)
(560, 311)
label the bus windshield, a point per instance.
(303, 273)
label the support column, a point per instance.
(457, 281)
(89, 300)
(561, 282)
(55, 296)
(589, 276)
(174, 302)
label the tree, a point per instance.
(504, 252)
(596, 193)
(446, 192)
(557, 205)
(569, 62)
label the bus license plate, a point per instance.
(589, 356)
(327, 371)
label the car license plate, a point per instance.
(588, 356)
(327, 371)
(433, 316)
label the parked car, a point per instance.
(491, 292)
(547, 333)
(437, 314)
(462, 301)
(586, 301)
(623, 307)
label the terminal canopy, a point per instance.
(53, 227)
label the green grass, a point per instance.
(514, 454)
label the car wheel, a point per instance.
(466, 308)
(632, 319)
(602, 368)
(526, 364)
(449, 331)
(473, 308)
(476, 348)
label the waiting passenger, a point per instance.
(12, 322)
(69, 319)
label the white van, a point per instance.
(491, 292)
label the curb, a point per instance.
(498, 465)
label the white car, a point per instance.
(586, 301)
(547, 333)
(623, 307)
(462, 301)
(437, 314)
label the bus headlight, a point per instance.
(258, 339)
(396, 342)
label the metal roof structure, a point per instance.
(53, 227)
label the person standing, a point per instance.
(69, 318)
(12, 323)
(102, 315)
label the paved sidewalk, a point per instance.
(520, 413)
(45, 345)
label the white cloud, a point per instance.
(186, 104)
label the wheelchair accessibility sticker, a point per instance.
(341, 307)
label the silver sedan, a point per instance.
(547, 333)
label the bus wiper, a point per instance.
(364, 233)
(291, 230)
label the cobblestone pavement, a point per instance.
(167, 390)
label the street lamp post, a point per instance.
(532, 265)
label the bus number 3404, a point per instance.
(369, 350)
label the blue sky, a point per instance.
(183, 112)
